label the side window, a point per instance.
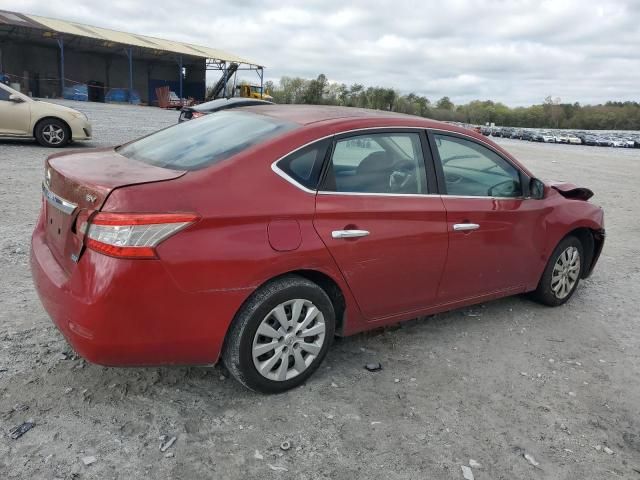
(304, 166)
(4, 94)
(471, 169)
(378, 163)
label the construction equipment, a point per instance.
(219, 88)
(252, 91)
(244, 90)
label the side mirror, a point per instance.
(15, 98)
(536, 189)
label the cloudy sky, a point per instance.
(514, 51)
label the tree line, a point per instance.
(552, 113)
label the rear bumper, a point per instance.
(130, 312)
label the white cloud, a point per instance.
(517, 52)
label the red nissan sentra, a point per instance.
(256, 235)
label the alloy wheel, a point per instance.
(565, 272)
(288, 340)
(53, 134)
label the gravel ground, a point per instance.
(493, 383)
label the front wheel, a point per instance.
(562, 273)
(52, 132)
(280, 336)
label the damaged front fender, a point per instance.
(571, 191)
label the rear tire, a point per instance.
(562, 274)
(52, 133)
(265, 348)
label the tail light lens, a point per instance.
(133, 235)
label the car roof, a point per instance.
(334, 120)
(308, 114)
(227, 102)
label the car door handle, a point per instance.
(465, 227)
(349, 233)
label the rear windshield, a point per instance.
(199, 143)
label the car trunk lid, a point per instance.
(77, 185)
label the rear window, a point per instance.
(199, 143)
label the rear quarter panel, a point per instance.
(229, 247)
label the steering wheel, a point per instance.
(401, 175)
(452, 178)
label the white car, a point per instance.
(50, 124)
(573, 140)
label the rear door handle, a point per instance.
(349, 233)
(465, 227)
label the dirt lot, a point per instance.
(491, 383)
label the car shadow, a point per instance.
(346, 358)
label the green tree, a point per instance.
(444, 104)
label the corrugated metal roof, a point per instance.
(123, 38)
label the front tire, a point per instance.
(280, 335)
(562, 273)
(52, 133)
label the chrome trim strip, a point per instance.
(484, 197)
(362, 194)
(282, 174)
(58, 202)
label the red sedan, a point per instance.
(256, 235)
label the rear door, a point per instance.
(491, 223)
(376, 213)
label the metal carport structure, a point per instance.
(17, 29)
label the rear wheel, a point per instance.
(562, 273)
(52, 132)
(280, 336)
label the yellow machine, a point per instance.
(252, 91)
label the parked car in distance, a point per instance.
(50, 124)
(196, 111)
(255, 235)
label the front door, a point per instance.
(376, 217)
(492, 228)
(15, 117)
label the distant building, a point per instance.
(37, 53)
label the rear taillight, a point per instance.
(133, 235)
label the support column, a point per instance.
(61, 45)
(130, 57)
(224, 73)
(180, 66)
(262, 82)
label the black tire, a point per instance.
(545, 294)
(52, 133)
(237, 352)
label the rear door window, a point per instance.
(378, 163)
(304, 166)
(197, 144)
